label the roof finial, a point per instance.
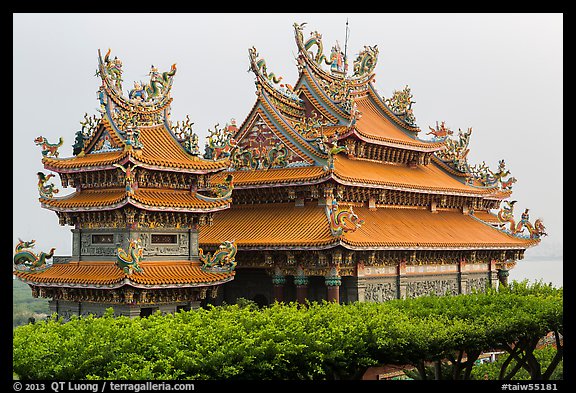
(345, 47)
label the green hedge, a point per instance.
(287, 341)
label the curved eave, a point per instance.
(279, 177)
(422, 179)
(382, 105)
(86, 163)
(361, 173)
(494, 192)
(283, 226)
(375, 126)
(149, 199)
(406, 145)
(106, 275)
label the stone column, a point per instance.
(301, 282)
(278, 281)
(193, 242)
(333, 282)
(493, 274)
(463, 276)
(402, 283)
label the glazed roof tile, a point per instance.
(107, 274)
(152, 198)
(402, 227)
(164, 151)
(246, 178)
(423, 177)
(268, 225)
(86, 161)
(428, 178)
(160, 150)
(374, 126)
(486, 216)
(284, 225)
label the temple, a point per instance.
(135, 209)
(338, 196)
(326, 191)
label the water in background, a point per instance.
(536, 268)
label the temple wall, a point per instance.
(375, 284)
(161, 244)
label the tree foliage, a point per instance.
(288, 341)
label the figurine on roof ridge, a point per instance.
(27, 261)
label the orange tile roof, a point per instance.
(145, 197)
(402, 227)
(423, 177)
(360, 172)
(107, 274)
(375, 127)
(87, 199)
(268, 225)
(486, 216)
(86, 161)
(284, 226)
(303, 174)
(160, 149)
(156, 197)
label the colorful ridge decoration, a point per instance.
(46, 190)
(342, 219)
(48, 149)
(222, 260)
(27, 261)
(129, 261)
(506, 215)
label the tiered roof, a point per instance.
(131, 155)
(105, 275)
(160, 150)
(328, 112)
(133, 132)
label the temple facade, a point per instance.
(326, 191)
(339, 196)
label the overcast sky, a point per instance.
(500, 74)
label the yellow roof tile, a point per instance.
(268, 225)
(160, 149)
(374, 126)
(278, 175)
(284, 225)
(106, 273)
(423, 177)
(148, 197)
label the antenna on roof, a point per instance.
(345, 48)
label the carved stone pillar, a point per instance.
(193, 242)
(463, 277)
(301, 282)
(402, 283)
(333, 282)
(493, 274)
(278, 281)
